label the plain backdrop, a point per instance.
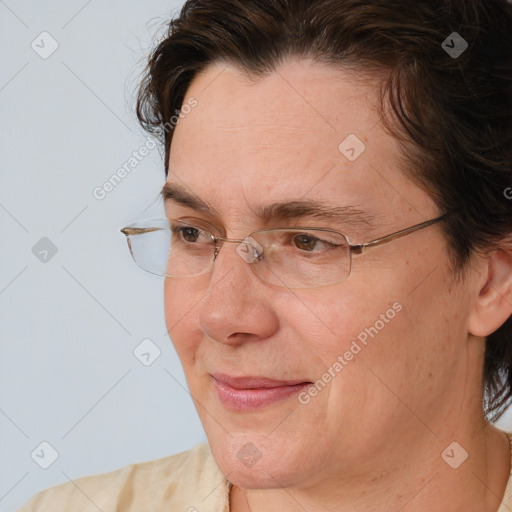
(74, 309)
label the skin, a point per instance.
(372, 439)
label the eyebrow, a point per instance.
(280, 211)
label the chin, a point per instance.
(254, 461)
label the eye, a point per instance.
(190, 234)
(308, 243)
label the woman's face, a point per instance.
(388, 344)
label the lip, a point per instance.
(252, 393)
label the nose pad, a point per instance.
(249, 250)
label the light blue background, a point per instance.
(69, 326)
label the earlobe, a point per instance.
(493, 304)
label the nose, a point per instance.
(237, 306)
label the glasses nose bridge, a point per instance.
(247, 248)
(230, 240)
(222, 240)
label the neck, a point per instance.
(417, 479)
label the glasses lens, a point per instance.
(292, 258)
(303, 258)
(171, 248)
(147, 242)
(191, 250)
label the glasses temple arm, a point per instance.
(360, 248)
(138, 231)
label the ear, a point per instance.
(493, 305)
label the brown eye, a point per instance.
(189, 234)
(305, 242)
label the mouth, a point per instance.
(253, 393)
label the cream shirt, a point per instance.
(186, 482)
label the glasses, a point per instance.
(291, 258)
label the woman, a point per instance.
(338, 283)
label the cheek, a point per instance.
(383, 331)
(180, 302)
(345, 320)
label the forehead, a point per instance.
(303, 131)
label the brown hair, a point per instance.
(452, 113)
